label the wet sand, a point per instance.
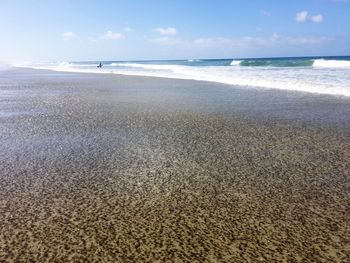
(106, 168)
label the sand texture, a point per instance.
(126, 169)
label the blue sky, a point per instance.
(57, 30)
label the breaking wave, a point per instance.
(315, 75)
(331, 63)
(291, 63)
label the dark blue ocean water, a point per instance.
(251, 62)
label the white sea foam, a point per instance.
(64, 64)
(235, 62)
(323, 80)
(331, 63)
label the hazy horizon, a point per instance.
(198, 58)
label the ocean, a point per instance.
(323, 75)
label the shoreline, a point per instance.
(139, 169)
(236, 85)
(288, 96)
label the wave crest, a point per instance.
(235, 62)
(322, 63)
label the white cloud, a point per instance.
(168, 31)
(68, 35)
(114, 36)
(303, 16)
(317, 18)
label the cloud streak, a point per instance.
(304, 16)
(68, 35)
(112, 36)
(242, 42)
(166, 31)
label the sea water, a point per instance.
(324, 75)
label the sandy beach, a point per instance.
(111, 168)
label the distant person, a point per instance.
(100, 65)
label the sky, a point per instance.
(78, 30)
